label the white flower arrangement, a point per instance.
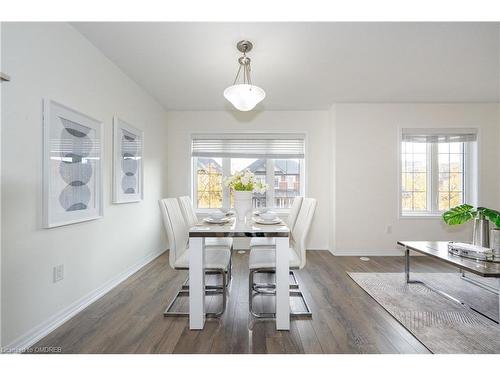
(245, 181)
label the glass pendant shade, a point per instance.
(242, 94)
(244, 97)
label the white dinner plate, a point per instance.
(211, 220)
(259, 212)
(274, 221)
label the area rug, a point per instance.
(440, 324)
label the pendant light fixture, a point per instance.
(244, 96)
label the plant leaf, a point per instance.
(491, 215)
(459, 214)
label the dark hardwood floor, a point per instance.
(129, 319)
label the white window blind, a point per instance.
(270, 146)
(440, 136)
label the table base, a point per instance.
(442, 293)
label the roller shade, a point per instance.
(436, 136)
(270, 146)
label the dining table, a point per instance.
(237, 228)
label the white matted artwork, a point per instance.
(72, 166)
(128, 148)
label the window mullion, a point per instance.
(302, 178)
(194, 185)
(433, 193)
(465, 174)
(226, 172)
(270, 182)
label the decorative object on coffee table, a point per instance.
(495, 241)
(481, 215)
(467, 250)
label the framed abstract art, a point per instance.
(72, 166)
(128, 176)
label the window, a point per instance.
(414, 169)
(276, 159)
(208, 182)
(451, 184)
(438, 171)
(287, 175)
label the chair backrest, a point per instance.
(294, 212)
(177, 231)
(301, 228)
(188, 211)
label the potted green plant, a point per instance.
(481, 215)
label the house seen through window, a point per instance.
(284, 176)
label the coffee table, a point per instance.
(439, 250)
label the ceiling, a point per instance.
(186, 66)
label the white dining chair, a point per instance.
(257, 242)
(191, 220)
(263, 260)
(217, 258)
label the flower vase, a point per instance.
(242, 203)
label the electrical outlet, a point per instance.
(58, 272)
(388, 229)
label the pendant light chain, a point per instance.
(237, 75)
(248, 73)
(245, 71)
(245, 63)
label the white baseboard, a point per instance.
(43, 329)
(370, 252)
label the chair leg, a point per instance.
(259, 286)
(251, 295)
(303, 314)
(250, 291)
(209, 290)
(224, 298)
(167, 311)
(229, 271)
(270, 289)
(185, 285)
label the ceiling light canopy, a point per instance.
(244, 96)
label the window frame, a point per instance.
(226, 171)
(470, 182)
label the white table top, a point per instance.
(236, 228)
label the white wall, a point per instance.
(333, 175)
(366, 160)
(352, 166)
(53, 60)
(314, 123)
(1, 321)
